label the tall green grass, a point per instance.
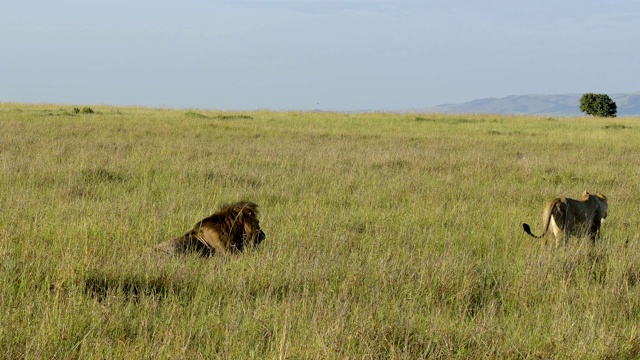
(388, 235)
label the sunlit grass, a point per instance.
(388, 235)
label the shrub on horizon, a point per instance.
(599, 105)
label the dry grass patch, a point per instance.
(389, 235)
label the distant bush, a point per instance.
(616, 126)
(76, 110)
(420, 118)
(193, 114)
(87, 110)
(231, 117)
(599, 105)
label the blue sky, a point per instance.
(307, 54)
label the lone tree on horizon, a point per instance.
(599, 105)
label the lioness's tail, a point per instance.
(546, 219)
(527, 229)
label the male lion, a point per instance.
(226, 232)
(568, 217)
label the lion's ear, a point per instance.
(249, 213)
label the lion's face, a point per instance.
(261, 237)
(252, 232)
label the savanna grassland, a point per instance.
(389, 236)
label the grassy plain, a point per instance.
(394, 236)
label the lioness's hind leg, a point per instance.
(557, 233)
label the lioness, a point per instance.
(568, 217)
(226, 232)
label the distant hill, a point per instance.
(558, 105)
